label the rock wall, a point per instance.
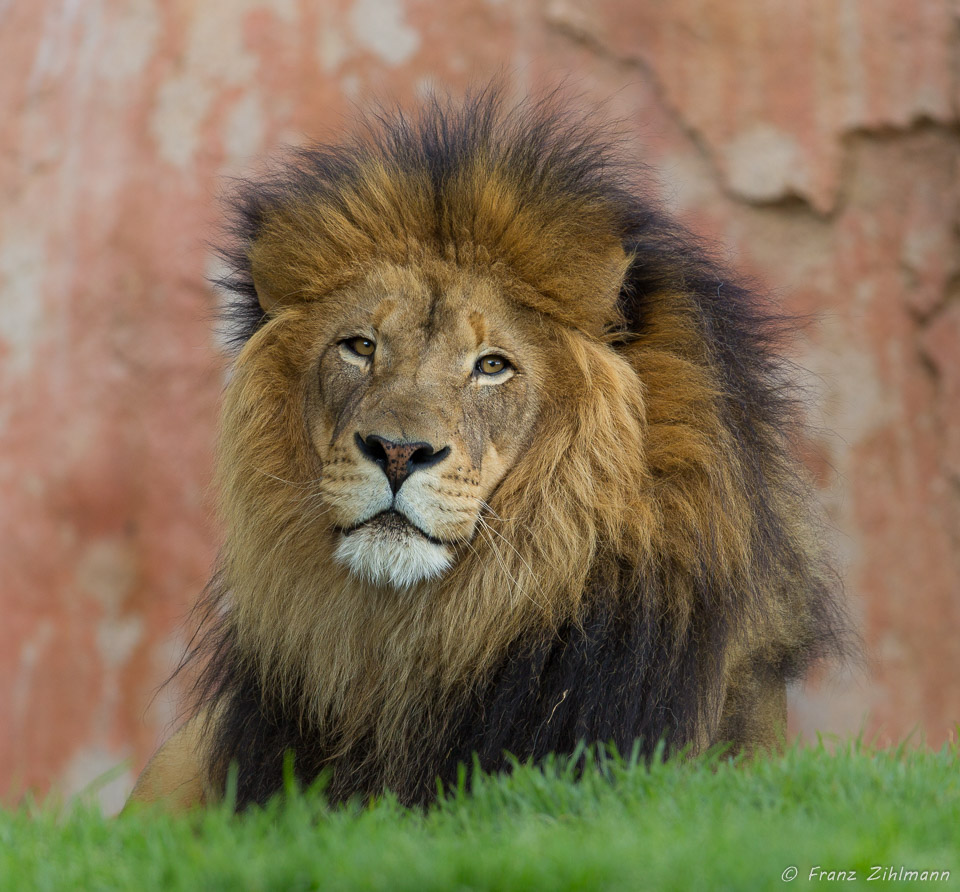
(816, 142)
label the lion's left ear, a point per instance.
(617, 265)
(589, 272)
(581, 284)
(610, 274)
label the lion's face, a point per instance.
(425, 393)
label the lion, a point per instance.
(507, 465)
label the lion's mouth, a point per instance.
(392, 523)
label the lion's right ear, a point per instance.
(265, 295)
(300, 255)
(270, 268)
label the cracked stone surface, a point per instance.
(817, 144)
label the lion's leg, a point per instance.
(755, 712)
(175, 777)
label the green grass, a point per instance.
(703, 824)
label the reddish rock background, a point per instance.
(816, 142)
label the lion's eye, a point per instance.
(361, 346)
(492, 365)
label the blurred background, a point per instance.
(816, 142)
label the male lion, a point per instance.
(505, 466)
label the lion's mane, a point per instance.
(650, 548)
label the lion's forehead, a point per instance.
(438, 307)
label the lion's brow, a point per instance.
(479, 326)
(383, 310)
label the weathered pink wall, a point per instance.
(816, 141)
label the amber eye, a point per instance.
(361, 346)
(492, 364)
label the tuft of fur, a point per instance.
(649, 559)
(379, 558)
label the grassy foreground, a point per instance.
(705, 824)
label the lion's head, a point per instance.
(423, 386)
(498, 438)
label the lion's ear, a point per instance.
(301, 253)
(608, 273)
(265, 293)
(617, 265)
(270, 263)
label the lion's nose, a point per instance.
(399, 460)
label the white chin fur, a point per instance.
(386, 557)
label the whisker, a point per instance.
(484, 528)
(526, 564)
(301, 485)
(495, 515)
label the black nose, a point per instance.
(399, 460)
